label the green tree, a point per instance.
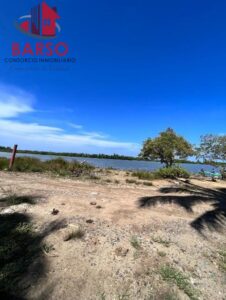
(212, 147)
(167, 147)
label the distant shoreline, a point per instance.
(103, 156)
(85, 155)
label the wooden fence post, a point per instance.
(11, 162)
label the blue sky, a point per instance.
(142, 66)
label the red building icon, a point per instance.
(42, 21)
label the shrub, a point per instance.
(4, 163)
(147, 183)
(172, 172)
(143, 175)
(130, 181)
(27, 164)
(108, 180)
(58, 165)
(80, 169)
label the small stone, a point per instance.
(55, 211)
(89, 221)
(93, 203)
(98, 206)
(69, 230)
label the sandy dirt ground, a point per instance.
(131, 231)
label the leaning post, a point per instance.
(11, 162)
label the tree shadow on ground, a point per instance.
(214, 219)
(22, 260)
(14, 199)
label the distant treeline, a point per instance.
(113, 156)
(198, 162)
(5, 149)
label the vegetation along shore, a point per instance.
(211, 150)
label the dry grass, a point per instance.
(160, 240)
(77, 233)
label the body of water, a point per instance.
(116, 163)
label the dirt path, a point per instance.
(136, 230)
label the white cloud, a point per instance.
(93, 134)
(15, 102)
(39, 137)
(10, 127)
(75, 126)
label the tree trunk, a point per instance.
(167, 164)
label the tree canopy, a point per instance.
(167, 147)
(212, 147)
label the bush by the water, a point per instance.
(4, 163)
(58, 166)
(143, 175)
(63, 167)
(28, 164)
(171, 172)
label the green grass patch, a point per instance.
(135, 243)
(172, 275)
(222, 262)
